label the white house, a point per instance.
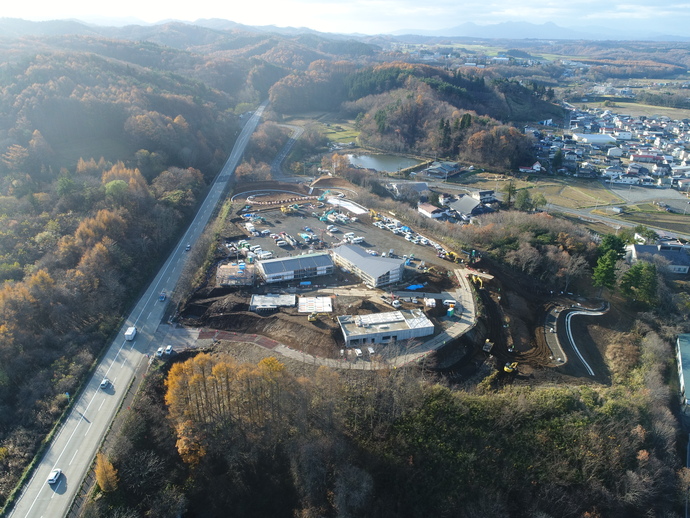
(430, 211)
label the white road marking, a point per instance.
(87, 430)
(75, 454)
(101, 405)
(572, 340)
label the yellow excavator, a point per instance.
(374, 215)
(510, 367)
(313, 317)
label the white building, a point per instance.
(293, 268)
(271, 301)
(596, 139)
(683, 357)
(373, 270)
(430, 211)
(384, 327)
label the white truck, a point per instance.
(130, 333)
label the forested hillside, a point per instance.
(102, 160)
(263, 442)
(422, 109)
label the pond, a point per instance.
(386, 163)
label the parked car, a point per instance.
(169, 350)
(159, 352)
(54, 476)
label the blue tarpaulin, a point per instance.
(415, 287)
(305, 283)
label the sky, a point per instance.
(373, 16)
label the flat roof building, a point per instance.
(683, 357)
(384, 327)
(271, 301)
(293, 268)
(374, 271)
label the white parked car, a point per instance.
(159, 352)
(169, 350)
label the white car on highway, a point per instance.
(54, 476)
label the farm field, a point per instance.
(336, 129)
(636, 110)
(660, 219)
(571, 193)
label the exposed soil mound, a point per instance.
(330, 182)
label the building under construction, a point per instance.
(384, 327)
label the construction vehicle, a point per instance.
(323, 196)
(313, 317)
(510, 367)
(288, 209)
(374, 215)
(473, 256)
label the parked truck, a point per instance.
(130, 333)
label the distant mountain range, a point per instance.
(526, 30)
(131, 28)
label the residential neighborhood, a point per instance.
(622, 149)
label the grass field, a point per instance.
(572, 192)
(336, 130)
(635, 109)
(663, 220)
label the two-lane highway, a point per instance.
(77, 442)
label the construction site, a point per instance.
(314, 272)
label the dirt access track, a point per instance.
(266, 195)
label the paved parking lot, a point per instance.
(376, 239)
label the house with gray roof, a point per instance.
(677, 256)
(374, 271)
(468, 206)
(295, 268)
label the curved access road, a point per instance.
(76, 443)
(574, 351)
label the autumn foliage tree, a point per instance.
(106, 474)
